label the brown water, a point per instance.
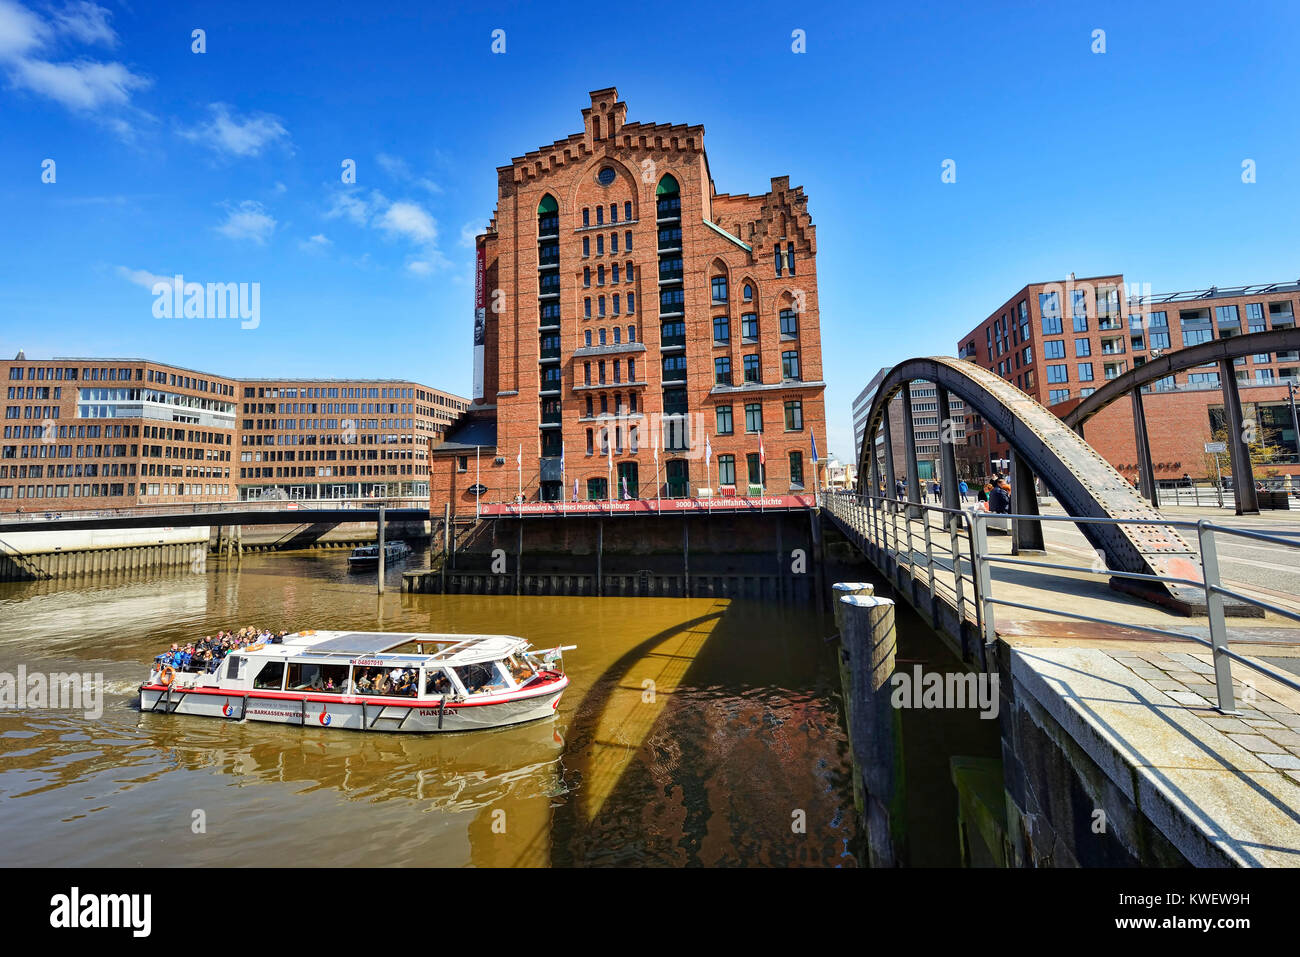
(695, 732)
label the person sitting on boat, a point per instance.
(381, 685)
(437, 684)
(363, 683)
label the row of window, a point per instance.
(600, 275)
(753, 373)
(600, 371)
(600, 305)
(749, 326)
(600, 246)
(618, 332)
(613, 214)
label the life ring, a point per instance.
(257, 647)
(167, 675)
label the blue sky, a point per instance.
(225, 166)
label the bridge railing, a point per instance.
(203, 508)
(872, 521)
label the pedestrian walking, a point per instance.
(963, 490)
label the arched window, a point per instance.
(749, 293)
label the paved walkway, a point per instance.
(1224, 789)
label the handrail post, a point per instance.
(955, 545)
(1218, 623)
(984, 578)
(929, 557)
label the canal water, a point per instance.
(695, 732)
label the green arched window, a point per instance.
(547, 205)
(667, 186)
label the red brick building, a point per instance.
(1061, 341)
(627, 306)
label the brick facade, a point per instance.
(616, 278)
(111, 433)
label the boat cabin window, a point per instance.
(520, 670)
(437, 682)
(396, 681)
(271, 677)
(482, 678)
(235, 668)
(320, 678)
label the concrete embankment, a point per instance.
(46, 554)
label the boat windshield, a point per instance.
(482, 678)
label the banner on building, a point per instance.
(480, 319)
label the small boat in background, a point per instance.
(367, 556)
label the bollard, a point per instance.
(870, 642)
(840, 589)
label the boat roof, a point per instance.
(448, 649)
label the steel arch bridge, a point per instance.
(1216, 350)
(1083, 482)
(1220, 351)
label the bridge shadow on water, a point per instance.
(699, 745)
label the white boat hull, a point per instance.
(356, 713)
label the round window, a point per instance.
(606, 176)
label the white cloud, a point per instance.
(141, 277)
(20, 30)
(400, 220)
(355, 207)
(82, 84)
(394, 166)
(248, 220)
(410, 220)
(314, 243)
(468, 233)
(242, 136)
(86, 22)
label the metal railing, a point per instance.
(872, 520)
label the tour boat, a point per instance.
(366, 555)
(328, 679)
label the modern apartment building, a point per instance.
(109, 433)
(339, 438)
(1060, 341)
(927, 430)
(626, 306)
(97, 433)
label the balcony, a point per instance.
(674, 375)
(672, 340)
(551, 354)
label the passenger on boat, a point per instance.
(363, 683)
(437, 683)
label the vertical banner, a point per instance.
(480, 319)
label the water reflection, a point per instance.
(695, 732)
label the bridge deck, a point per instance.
(1224, 789)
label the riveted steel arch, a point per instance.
(1216, 350)
(1083, 482)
